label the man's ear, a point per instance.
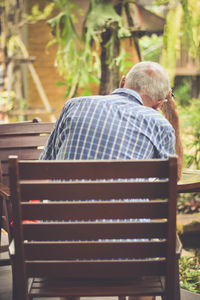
(122, 82)
(159, 104)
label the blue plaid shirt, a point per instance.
(115, 126)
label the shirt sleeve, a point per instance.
(52, 146)
(166, 147)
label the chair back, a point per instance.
(93, 223)
(24, 139)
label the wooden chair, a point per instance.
(85, 243)
(26, 140)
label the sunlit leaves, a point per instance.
(182, 30)
(78, 55)
(190, 273)
(37, 14)
(171, 38)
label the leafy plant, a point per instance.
(151, 47)
(6, 100)
(188, 203)
(171, 38)
(189, 268)
(37, 14)
(183, 92)
(77, 57)
(161, 2)
(190, 123)
(181, 32)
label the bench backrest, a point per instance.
(84, 233)
(24, 139)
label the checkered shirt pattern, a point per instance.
(115, 126)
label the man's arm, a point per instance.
(170, 112)
(52, 146)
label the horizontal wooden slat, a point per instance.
(94, 210)
(93, 169)
(23, 141)
(93, 190)
(61, 287)
(22, 153)
(34, 153)
(4, 261)
(48, 231)
(99, 269)
(25, 127)
(58, 282)
(93, 250)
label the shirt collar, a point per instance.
(130, 93)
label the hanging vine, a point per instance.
(78, 56)
(171, 38)
(182, 29)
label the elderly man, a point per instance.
(123, 125)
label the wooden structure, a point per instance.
(83, 242)
(25, 139)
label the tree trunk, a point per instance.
(110, 75)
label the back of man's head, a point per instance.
(150, 79)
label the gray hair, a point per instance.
(148, 78)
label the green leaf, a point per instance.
(60, 83)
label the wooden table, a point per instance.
(190, 181)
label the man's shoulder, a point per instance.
(154, 116)
(78, 100)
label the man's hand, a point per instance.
(170, 112)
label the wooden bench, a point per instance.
(26, 140)
(86, 244)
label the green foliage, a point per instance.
(102, 15)
(181, 31)
(151, 47)
(188, 26)
(37, 14)
(161, 2)
(190, 123)
(2, 3)
(188, 203)
(72, 60)
(171, 38)
(124, 61)
(77, 57)
(183, 92)
(195, 12)
(189, 110)
(7, 100)
(189, 269)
